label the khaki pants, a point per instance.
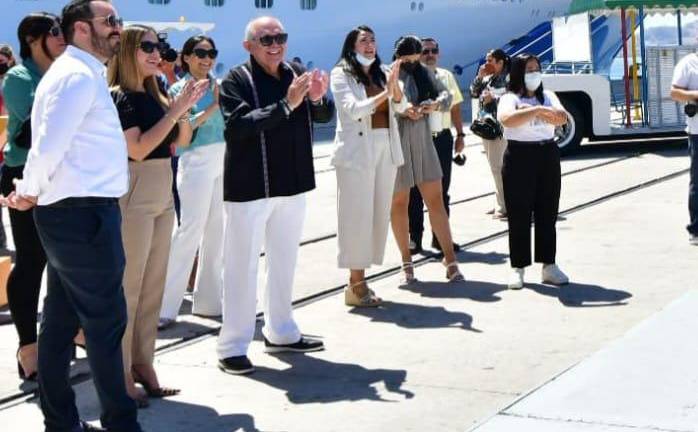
(147, 221)
(494, 149)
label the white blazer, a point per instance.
(353, 135)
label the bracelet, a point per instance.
(173, 120)
(460, 134)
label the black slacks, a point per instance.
(82, 239)
(531, 179)
(444, 148)
(24, 281)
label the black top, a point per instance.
(283, 164)
(141, 110)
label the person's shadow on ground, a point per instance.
(583, 295)
(314, 380)
(167, 415)
(415, 316)
(473, 290)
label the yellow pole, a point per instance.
(636, 82)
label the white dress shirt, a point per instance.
(78, 147)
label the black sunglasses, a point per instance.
(427, 51)
(202, 53)
(267, 40)
(149, 47)
(112, 21)
(54, 31)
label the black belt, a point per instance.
(441, 132)
(85, 202)
(531, 143)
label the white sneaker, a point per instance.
(516, 278)
(551, 274)
(693, 239)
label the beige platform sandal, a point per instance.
(368, 300)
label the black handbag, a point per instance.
(487, 128)
(23, 137)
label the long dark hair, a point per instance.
(517, 84)
(348, 62)
(499, 55)
(426, 81)
(188, 48)
(35, 26)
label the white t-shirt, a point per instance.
(534, 130)
(686, 77)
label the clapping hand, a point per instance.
(552, 116)
(319, 83)
(393, 83)
(190, 95)
(298, 89)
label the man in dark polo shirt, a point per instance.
(269, 107)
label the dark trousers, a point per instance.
(24, 281)
(531, 179)
(444, 148)
(175, 192)
(693, 186)
(82, 239)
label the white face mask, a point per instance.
(364, 61)
(533, 80)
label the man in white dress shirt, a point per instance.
(75, 172)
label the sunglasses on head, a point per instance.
(112, 21)
(427, 51)
(149, 47)
(267, 40)
(54, 31)
(202, 53)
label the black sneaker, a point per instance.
(435, 244)
(302, 346)
(237, 365)
(415, 246)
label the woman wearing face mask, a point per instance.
(151, 124)
(425, 94)
(200, 186)
(531, 171)
(367, 154)
(41, 42)
(489, 85)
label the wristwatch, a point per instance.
(460, 134)
(285, 106)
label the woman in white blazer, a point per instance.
(366, 157)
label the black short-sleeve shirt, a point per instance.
(141, 110)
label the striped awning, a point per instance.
(578, 6)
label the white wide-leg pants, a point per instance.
(200, 186)
(277, 224)
(364, 198)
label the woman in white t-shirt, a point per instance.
(531, 169)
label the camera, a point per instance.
(167, 53)
(690, 109)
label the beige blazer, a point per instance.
(353, 135)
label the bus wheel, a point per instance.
(569, 136)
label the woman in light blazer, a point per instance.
(366, 157)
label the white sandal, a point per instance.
(407, 273)
(456, 276)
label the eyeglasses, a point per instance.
(54, 31)
(202, 53)
(112, 21)
(149, 47)
(267, 40)
(427, 51)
